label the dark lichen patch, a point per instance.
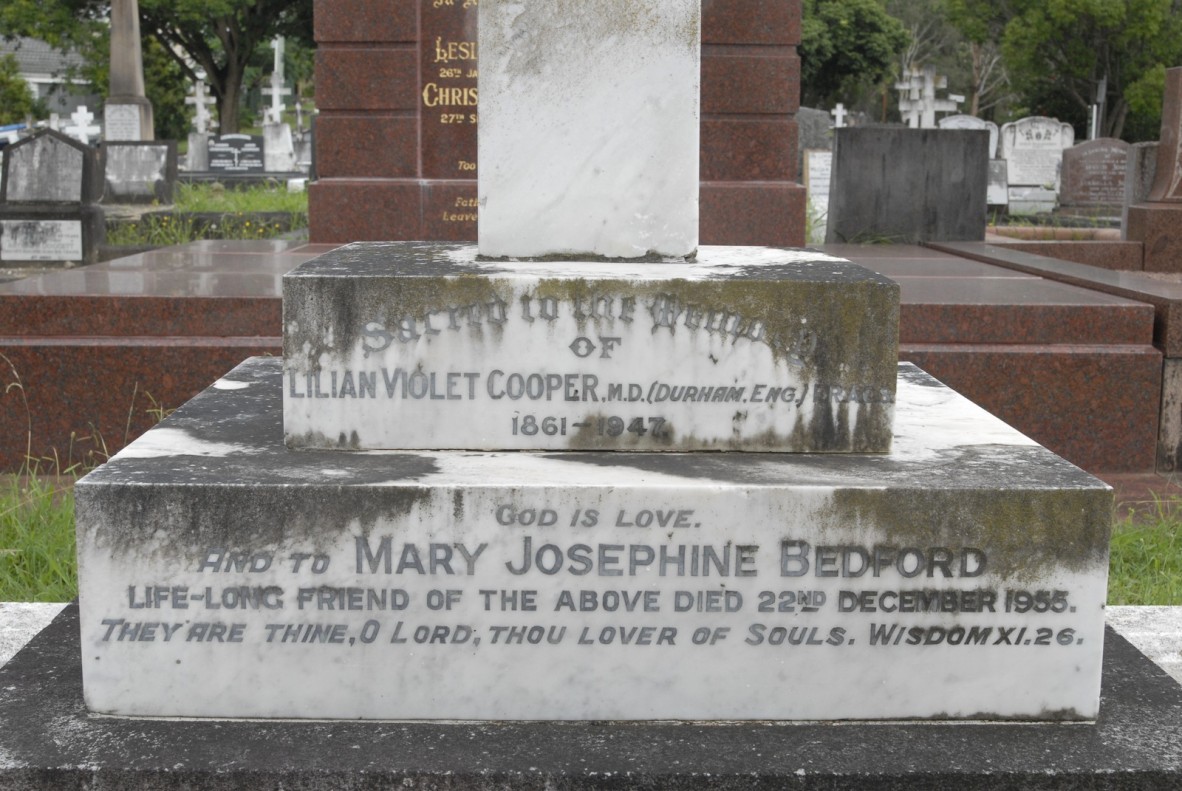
(183, 521)
(1025, 534)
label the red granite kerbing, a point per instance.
(1094, 405)
(1158, 226)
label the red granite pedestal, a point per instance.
(396, 135)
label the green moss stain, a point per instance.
(1025, 533)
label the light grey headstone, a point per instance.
(47, 168)
(998, 193)
(818, 173)
(278, 149)
(41, 240)
(121, 122)
(139, 172)
(973, 122)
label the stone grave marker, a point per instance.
(908, 185)
(816, 134)
(1033, 151)
(918, 103)
(203, 122)
(278, 146)
(121, 122)
(81, 127)
(237, 154)
(139, 172)
(818, 173)
(48, 201)
(972, 122)
(589, 584)
(998, 192)
(1094, 175)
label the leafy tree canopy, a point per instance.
(221, 38)
(16, 98)
(848, 48)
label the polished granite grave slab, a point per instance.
(49, 741)
(960, 576)
(1096, 404)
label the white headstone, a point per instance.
(616, 81)
(972, 122)
(818, 170)
(276, 90)
(121, 122)
(82, 129)
(1033, 151)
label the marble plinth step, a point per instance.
(410, 345)
(962, 575)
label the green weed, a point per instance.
(37, 561)
(1145, 565)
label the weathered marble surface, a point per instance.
(616, 614)
(421, 345)
(588, 137)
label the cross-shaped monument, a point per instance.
(918, 103)
(82, 129)
(203, 121)
(276, 90)
(839, 114)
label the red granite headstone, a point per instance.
(1094, 174)
(396, 136)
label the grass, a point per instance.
(1146, 558)
(37, 560)
(227, 214)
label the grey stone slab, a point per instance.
(20, 622)
(49, 741)
(908, 185)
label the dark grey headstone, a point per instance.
(237, 154)
(139, 172)
(50, 741)
(908, 185)
(1140, 170)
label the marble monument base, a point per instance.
(50, 742)
(961, 576)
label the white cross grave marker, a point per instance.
(82, 129)
(201, 101)
(276, 90)
(918, 104)
(839, 113)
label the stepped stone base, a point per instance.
(962, 575)
(51, 742)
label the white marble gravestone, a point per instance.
(973, 122)
(588, 139)
(1033, 151)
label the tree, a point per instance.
(222, 37)
(848, 47)
(218, 37)
(1058, 51)
(982, 24)
(16, 98)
